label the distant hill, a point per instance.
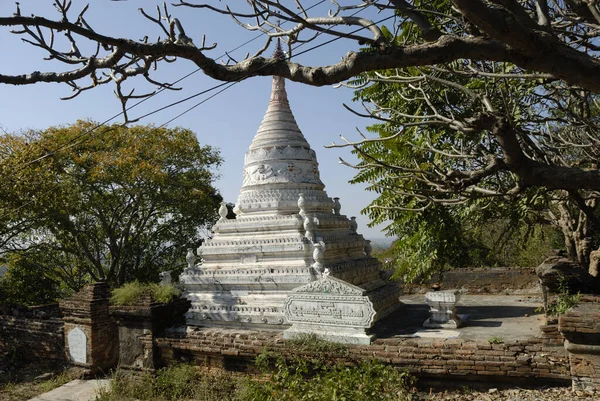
(382, 243)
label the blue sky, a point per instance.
(228, 121)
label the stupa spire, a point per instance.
(278, 93)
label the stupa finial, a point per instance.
(278, 93)
(279, 53)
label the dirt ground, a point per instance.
(20, 383)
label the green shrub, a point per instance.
(178, 382)
(164, 293)
(299, 379)
(129, 293)
(28, 283)
(563, 301)
(495, 340)
(293, 379)
(128, 386)
(312, 343)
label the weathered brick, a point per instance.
(491, 373)
(427, 351)
(488, 363)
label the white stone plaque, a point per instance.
(77, 341)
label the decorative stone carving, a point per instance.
(223, 211)
(336, 206)
(309, 228)
(442, 312)
(190, 258)
(281, 152)
(353, 224)
(319, 257)
(332, 309)
(165, 277)
(368, 247)
(302, 204)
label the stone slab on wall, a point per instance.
(139, 323)
(449, 358)
(492, 280)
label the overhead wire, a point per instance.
(230, 84)
(226, 84)
(71, 142)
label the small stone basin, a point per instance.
(442, 309)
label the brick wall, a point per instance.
(580, 326)
(451, 358)
(88, 311)
(34, 334)
(497, 280)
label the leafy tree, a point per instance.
(120, 204)
(26, 283)
(435, 152)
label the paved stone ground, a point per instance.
(76, 390)
(509, 317)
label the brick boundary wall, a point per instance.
(454, 359)
(32, 338)
(485, 280)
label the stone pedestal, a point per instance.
(332, 309)
(139, 324)
(91, 336)
(442, 312)
(580, 326)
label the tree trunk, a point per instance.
(594, 263)
(577, 235)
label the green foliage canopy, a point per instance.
(442, 171)
(117, 204)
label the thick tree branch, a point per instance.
(534, 173)
(551, 57)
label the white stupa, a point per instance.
(287, 232)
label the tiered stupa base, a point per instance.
(256, 270)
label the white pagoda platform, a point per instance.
(287, 233)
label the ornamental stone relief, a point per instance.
(280, 153)
(285, 195)
(267, 173)
(330, 285)
(329, 301)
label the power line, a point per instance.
(226, 84)
(76, 140)
(230, 84)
